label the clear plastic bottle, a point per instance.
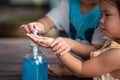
(35, 64)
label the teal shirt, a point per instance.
(82, 26)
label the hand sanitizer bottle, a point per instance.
(35, 64)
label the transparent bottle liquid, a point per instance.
(35, 65)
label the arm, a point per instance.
(81, 48)
(84, 49)
(43, 25)
(62, 45)
(52, 19)
(55, 18)
(104, 63)
(93, 67)
(47, 23)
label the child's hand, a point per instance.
(41, 41)
(60, 46)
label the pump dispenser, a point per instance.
(35, 64)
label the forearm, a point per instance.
(71, 63)
(47, 23)
(81, 48)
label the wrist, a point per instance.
(47, 23)
(41, 27)
(70, 42)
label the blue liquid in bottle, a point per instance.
(33, 70)
(35, 65)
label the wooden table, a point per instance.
(12, 51)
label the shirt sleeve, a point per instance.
(98, 37)
(60, 16)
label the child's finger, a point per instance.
(64, 52)
(60, 50)
(56, 47)
(55, 42)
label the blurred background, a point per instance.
(14, 13)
